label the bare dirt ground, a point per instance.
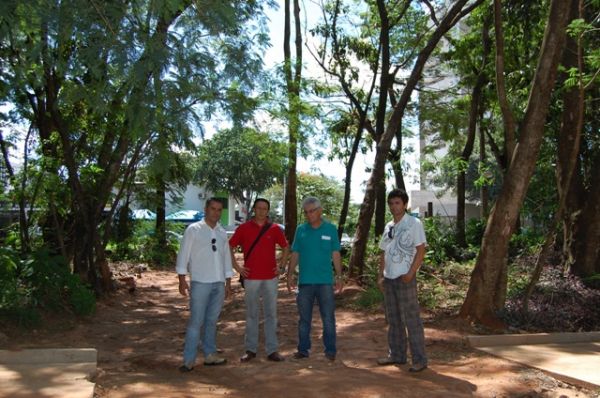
(139, 337)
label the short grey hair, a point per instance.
(311, 200)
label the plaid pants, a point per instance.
(402, 311)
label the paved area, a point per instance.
(571, 357)
(45, 373)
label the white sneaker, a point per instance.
(214, 359)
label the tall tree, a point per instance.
(241, 161)
(487, 289)
(454, 13)
(83, 75)
(581, 220)
(293, 79)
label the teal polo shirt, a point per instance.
(314, 247)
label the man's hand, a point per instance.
(406, 278)
(339, 285)
(291, 286)
(380, 283)
(184, 288)
(228, 289)
(243, 271)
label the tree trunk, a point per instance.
(508, 117)
(348, 180)
(568, 149)
(484, 192)
(293, 87)
(474, 112)
(161, 210)
(487, 288)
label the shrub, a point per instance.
(441, 241)
(39, 281)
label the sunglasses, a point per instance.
(391, 233)
(212, 242)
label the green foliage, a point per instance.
(592, 281)
(440, 240)
(143, 246)
(241, 161)
(370, 298)
(443, 288)
(37, 282)
(474, 231)
(527, 242)
(328, 190)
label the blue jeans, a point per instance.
(206, 301)
(255, 288)
(305, 301)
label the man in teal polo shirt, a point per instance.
(316, 246)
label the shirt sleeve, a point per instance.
(335, 241)
(419, 233)
(228, 268)
(234, 241)
(185, 250)
(279, 236)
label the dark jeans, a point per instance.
(326, 301)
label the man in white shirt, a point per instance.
(403, 249)
(204, 255)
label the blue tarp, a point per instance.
(186, 216)
(143, 214)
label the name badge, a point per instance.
(325, 237)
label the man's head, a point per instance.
(261, 209)
(398, 193)
(397, 202)
(312, 209)
(212, 210)
(262, 200)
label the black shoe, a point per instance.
(185, 369)
(248, 356)
(417, 368)
(299, 355)
(330, 356)
(275, 357)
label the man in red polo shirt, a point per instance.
(258, 238)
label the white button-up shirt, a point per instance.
(197, 257)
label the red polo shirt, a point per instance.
(262, 262)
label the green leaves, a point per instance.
(241, 161)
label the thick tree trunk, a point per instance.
(568, 149)
(587, 254)
(487, 288)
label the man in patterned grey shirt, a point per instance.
(403, 248)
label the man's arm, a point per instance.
(337, 265)
(381, 268)
(416, 264)
(242, 270)
(290, 271)
(283, 260)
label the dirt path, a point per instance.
(139, 338)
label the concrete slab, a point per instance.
(47, 373)
(571, 357)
